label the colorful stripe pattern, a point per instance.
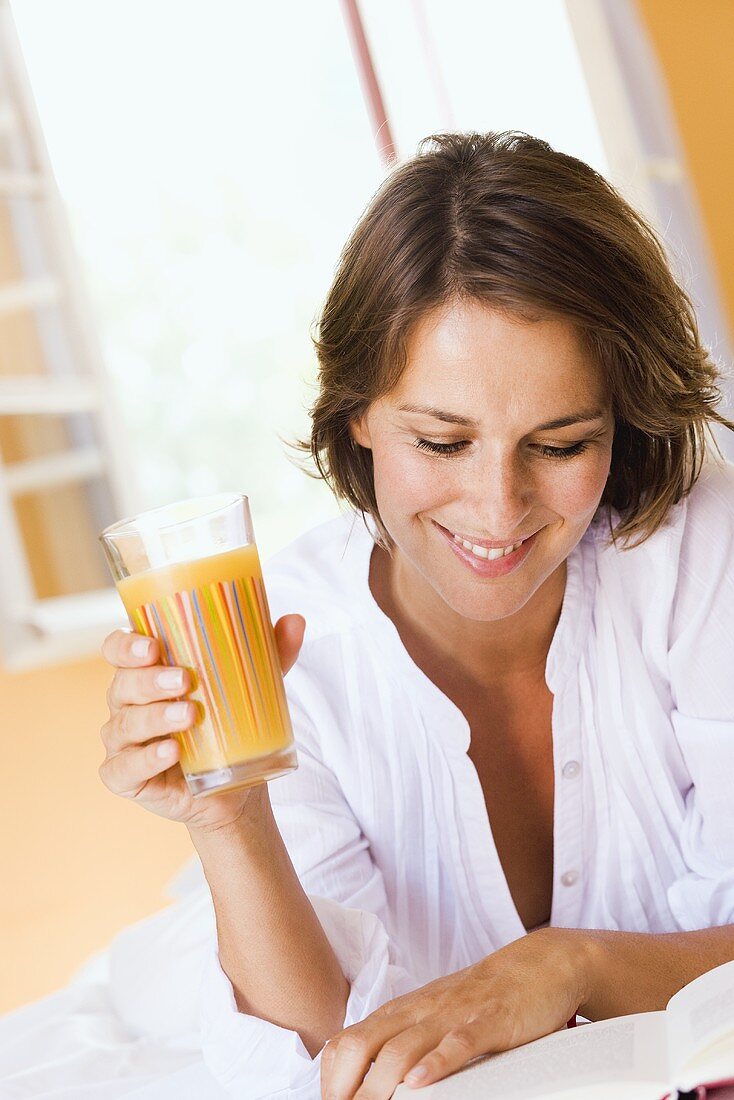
(222, 633)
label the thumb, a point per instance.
(289, 631)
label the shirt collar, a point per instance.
(576, 612)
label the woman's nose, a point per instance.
(503, 499)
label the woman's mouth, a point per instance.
(488, 561)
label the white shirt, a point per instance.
(385, 818)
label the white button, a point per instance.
(571, 769)
(569, 878)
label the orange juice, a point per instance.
(211, 616)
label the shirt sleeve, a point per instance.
(252, 1057)
(701, 662)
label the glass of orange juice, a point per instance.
(189, 575)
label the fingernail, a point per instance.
(166, 748)
(172, 678)
(417, 1074)
(177, 712)
(141, 648)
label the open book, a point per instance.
(648, 1056)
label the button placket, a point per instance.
(568, 821)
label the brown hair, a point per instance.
(505, 219)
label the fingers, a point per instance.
(127, 650)
(456, 1048)
(369, 1063)
(397, 1056)
(134, 725)
(344, 1063)
(127, 773)
(289, 631)
(347, 1057)
(146, 685)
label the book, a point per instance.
(689, 1047)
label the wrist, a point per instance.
(251, 826)
(578, 960)
(592, 968)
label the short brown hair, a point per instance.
(505, 219)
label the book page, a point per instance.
(571, 1062)
(700, 1014)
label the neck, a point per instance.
(516, 646)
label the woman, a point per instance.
(514, 703)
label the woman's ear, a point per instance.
(360, 432)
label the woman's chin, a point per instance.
(482, 606)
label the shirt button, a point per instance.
(571, 769)
(569, 878)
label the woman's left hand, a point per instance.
(529, 988)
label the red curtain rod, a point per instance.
(370, 84)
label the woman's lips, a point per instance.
(483, 567)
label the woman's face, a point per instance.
(465, 446)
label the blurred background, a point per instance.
(177, 179)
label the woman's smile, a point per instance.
(486, 562)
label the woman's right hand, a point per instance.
(139, 730)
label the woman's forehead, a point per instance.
(468, 354)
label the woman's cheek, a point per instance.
(406, 483)
(577, 491)
(429, 483)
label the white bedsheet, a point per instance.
(80, 1043)
(72, 1045)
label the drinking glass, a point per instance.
(189, 575)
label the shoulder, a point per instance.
(702, 614)
(694, 542)
(699, 538)
(322, 575)
(706, 525)
(675, 591)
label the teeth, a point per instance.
(484, 552)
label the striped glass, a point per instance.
(189, 575)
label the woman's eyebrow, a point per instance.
(453, 418)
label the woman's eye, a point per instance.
(563, 452)
(454, 448)
(440, 448)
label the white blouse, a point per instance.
(385, 818)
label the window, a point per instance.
(213, 158)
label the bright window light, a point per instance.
(213, 158)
